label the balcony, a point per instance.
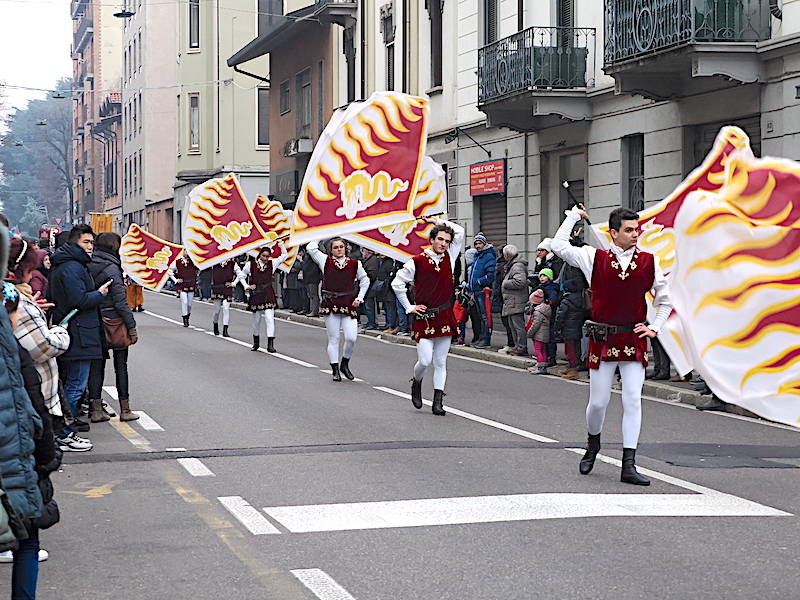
(78, 7)
(663, 48)
(537, 76)
(83, 34)
(341, 12)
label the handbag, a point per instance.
(117, 336)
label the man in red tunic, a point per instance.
(431, 272)
(619, 279)
(184, 274)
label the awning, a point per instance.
(274, 35)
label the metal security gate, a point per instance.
(493, 219)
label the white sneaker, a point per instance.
(72, 443)
(43, 555)
(6, 557)
(108, 410)
(504, 350)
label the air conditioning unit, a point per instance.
(297, 147)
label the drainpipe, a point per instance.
(363, 57)
(525, 188)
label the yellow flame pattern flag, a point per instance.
(735, 284)
(365, 168)
(276, 224)
(147, 258)
(404, 240)
(219, 223)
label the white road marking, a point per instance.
(147, 422)
(476, 418)
(248, 516)
(195, 467)
(175, 449)
(518, 507)
(112, 392)
(322, 584)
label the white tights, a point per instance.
(225, 305)
(267, 315)
(186, 303)
(433, 350)
(333, 323)
(600, 381)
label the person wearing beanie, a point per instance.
(482, 277)
(552, 295)
(431, 272)
(619, 279)
(538, 328)
(514, 289)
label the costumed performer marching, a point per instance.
(184, 273)
(223, 278)
(339, 306)
(256, 276)
(431, 272)
(619, 279)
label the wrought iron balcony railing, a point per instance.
(636, 28)
(537, 57)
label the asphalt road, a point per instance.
(296, 487)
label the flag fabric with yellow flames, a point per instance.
(219, 224)
(409, 238)
(364, 171)
(276, 224)
(147, 258)
(736, 285)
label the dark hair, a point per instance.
(108, 241)
(618, 215)
(23, 256)
(4, 219)
(336, 239)
(441, 228)
(264, 249)
(78, 230)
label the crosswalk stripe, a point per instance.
(195, 467)
(147, 422)
(254, 521)
(321, 584)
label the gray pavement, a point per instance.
(347, 482)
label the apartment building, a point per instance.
(222, 115)
(149, 119)
(96, 60)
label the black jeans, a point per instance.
(98, 370)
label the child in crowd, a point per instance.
(538, 327)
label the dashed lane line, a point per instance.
(321, 584)
(195, 467)
(247, 515)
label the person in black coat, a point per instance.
(71, 287)
(385, 294)
(310, 280)
(106, 265)
(570, 316)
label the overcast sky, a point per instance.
(35, 37)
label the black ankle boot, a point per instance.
(592, 448)
(344, 367)
(270, 344)
(416, 393)
(629, 473)
(185, 320)
(256, 343)
(225, 331)
(438, 396)
(335, 371)
(216, 328)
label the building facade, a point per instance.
(149, 119)
(96, 60)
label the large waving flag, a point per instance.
(276, 224)
(219, 223)
(147, 258)
(364, 170)
(736, 285)
(404, 240)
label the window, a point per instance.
(350, 61)
(303, 117)
(194, 122)
(180, 124)
(125, 178)
(141, 112)
(435, 9)
(140, 59)
(285, 98)
(141, 172)
(565, 19)
(388, 31)
(135, 57)
(125, 62)
(135, 174)
(321, 96)
(267, 13)
(194, 23)
(263, 116)
(490, 15)
(633, 157)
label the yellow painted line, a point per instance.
(130, 434)
(94, 491)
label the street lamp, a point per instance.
(58, 95)
(124, 12)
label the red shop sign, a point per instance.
(487, 177)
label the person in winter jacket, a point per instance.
(515, 295)
(106, 265)
(72, 287)
(474, 313)
(384, 293)
(482, 277)
(568, 324)
(552, 296)
(501, 269)
(539, 329)
(545, 259)
(38, 277)
(371, 264)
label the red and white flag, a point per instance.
(147, 258)
(276, 224)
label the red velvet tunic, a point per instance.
(619, 299)
(220, 275)
(187, 273)
(263, 296)
(335, 279)
(433, 287)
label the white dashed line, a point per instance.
(147, 422)
(195, 467)
(254, 521)
(322, 584)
